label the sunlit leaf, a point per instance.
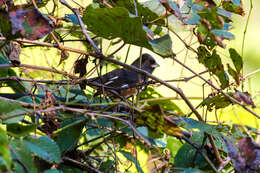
(5, 155)
(18, 130)
(131, 158)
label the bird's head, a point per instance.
(148, 63)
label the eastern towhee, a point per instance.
(123, 82)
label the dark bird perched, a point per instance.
(123, 82)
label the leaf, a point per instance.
(73, 18)
(234, 6)
(145, 13)
(129, 156)
(52, 171)
(162, 46)
(218, 101)
(6, 72)
(185, 155)
(234, 74)
(191, 124)
(214, 64)
(187, 170)
(166, 105)
(223, 33)
(116, 22)
(173, 144)
(236, 59)
(21, 152)
(70, 132)
(5, 155)
(8, 109)
(244, 97)
(25, 23)
(44, 147)
(18, 130)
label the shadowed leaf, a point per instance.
(44, 147)
(236, 59)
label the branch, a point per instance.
(40, 68)
(76, 12)
(219, 90)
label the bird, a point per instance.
(123, 82)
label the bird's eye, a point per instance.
(152, 61)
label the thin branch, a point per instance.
(118, 49)
(81, 165)
(54, 82)
(251, 73)
(76, 12)
(219, 90)
(40, 68)
(202, 153)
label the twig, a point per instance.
(246, 26)
(118, 49)
(215, 148)
(81, 165)
(76, 12)
(219, 90)
(83, 111)
(16, 78)
(224, 163)
(202, 153)
(24, 104)
(251, 73)
(40, 68)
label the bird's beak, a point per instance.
(155, 65)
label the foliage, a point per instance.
(55, 124)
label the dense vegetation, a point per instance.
(51, 123)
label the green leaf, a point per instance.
(162, 46)
(166, 105)
(5, 156)
(129, 156)
(52, 171)
(234, 6)
(44, 147)
(70, 132)
(185, 155)
(144, 12)
(236, 59)
(115, 22)
(173, 144)
(214, 64)
(18, 130)
(8, 109)
(217, 102)
(191, 124)
(187, 170)
(234, 74)
(22, 153)
(6, 72)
